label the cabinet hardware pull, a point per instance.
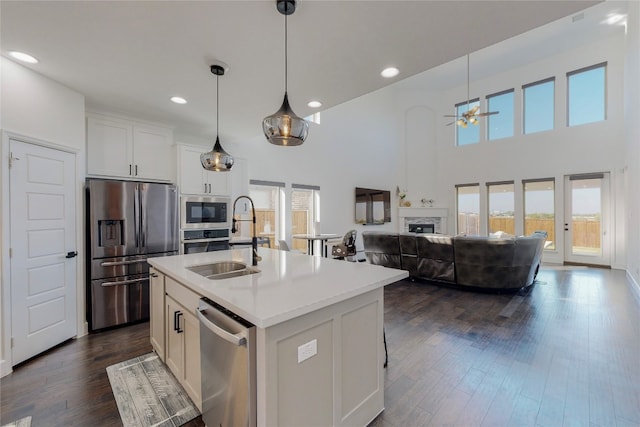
(209, 188)
(136, 170)
(205, 188)
(130, 170)
(179, 330)
(175, 320)
(71, 254)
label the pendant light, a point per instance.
(217, 159)
(284, 127)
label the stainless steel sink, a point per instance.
(223, 270)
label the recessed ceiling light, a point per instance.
(314, 104)
(390, 72)
(24, 57)
(178, 100)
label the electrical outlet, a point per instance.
(307, 350)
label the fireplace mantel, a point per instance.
(423, 215)
(423, 212)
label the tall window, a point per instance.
(305, 212)
(500, 125)
(538, 103)
(586, 95)
(468, 209)
(469, 134)
(539, 208)
(267, 197)
(501, 207)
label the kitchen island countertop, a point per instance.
(288, 285)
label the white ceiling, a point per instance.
(130, 57)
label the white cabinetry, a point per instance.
(156, 303)
(194, 179)
(183, 338)
(126, 149)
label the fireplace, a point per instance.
(423, 218)
(422, 228)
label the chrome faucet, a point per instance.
(254, 239)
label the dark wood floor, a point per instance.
(565, 353)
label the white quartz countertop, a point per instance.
(288, 285)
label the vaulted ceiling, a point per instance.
(130, 57)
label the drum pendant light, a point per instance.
(284, 127)
(217, 159)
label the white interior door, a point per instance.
(43, 279)
(586, 221)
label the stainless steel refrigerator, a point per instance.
(127, 222)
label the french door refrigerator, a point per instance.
(127, 222)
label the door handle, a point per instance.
(71, 254)
(176, 321)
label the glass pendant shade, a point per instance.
(284, 127)
(217, 160)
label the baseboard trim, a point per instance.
(5, 368)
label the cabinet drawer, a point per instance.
(186, 297)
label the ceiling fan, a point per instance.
(471, 115)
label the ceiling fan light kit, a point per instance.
(284, 127)
(217, 159)
(471, 115)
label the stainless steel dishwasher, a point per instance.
(228, 364)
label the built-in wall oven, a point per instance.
(205, 224)
(194, 241)
(204, 212)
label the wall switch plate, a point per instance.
(307, 350)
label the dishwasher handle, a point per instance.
(236, 339)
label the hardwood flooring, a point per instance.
(565, 353)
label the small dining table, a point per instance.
(311, 238)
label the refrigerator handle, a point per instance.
(136, 215)
(143, 215)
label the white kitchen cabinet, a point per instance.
(183, 338)
(194, 179)
(125, 149)
(156, 309)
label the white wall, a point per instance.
(596, 147)
(632, 137)
(35, 108)
(357, 144)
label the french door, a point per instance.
(586, 223)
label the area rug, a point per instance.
(22, 422)
(147, 394)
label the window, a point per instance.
(538, 107)
(500, 125)
(267, 198)
(468, 209)
(501, 207)
(305, 212)
(586, 95)
(468, 134)
(539, 208)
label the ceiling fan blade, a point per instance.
(449, 115)
(449, 124)
(488, 113)
(474, 110)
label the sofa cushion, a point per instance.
(435, 257)
(485, 262)
(382, 248)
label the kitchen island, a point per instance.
(319, 331)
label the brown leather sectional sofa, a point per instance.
(499, 264)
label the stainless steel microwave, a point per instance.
(204, 212)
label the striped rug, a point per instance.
(147, 394)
